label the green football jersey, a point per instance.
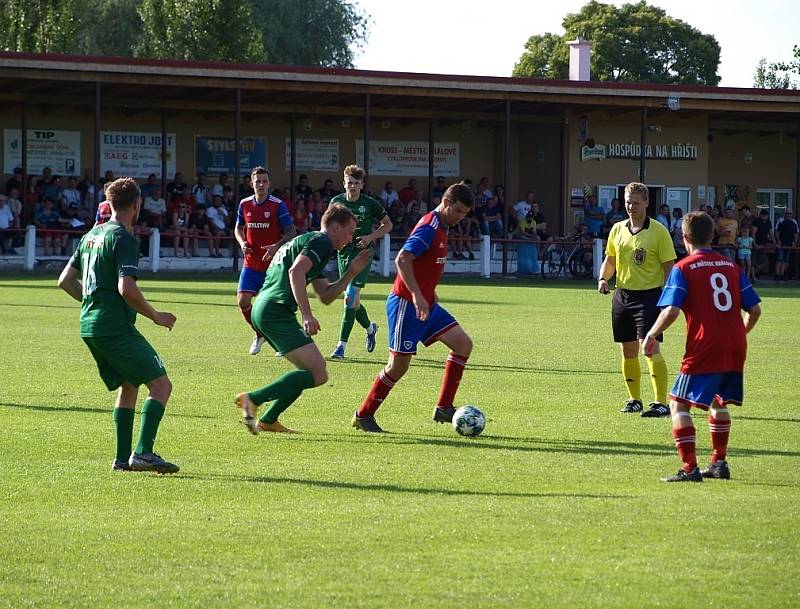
(277, 287)
(367, 211)
(106, 253)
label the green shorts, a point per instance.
(344, 259)
(279, 325)
(125, 359)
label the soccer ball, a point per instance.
(469, 421)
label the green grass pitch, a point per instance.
(557, 504)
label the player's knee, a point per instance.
(466, 346)
(320, 375)
(161, 389)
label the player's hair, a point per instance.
(122, 193)
(638, 188)
(460, 193)
(698, 228)
(259, 170)
(354, 171)
(337, 213)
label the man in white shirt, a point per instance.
(7, 220)
(523, 208)
(388, 195)
(201, 191)
(218, 214)
(155, 208)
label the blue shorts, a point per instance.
(251, 281)
(783, 254)
(405, 330)
(700, 390)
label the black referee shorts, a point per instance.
(633, 313)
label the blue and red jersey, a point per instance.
(428, 243)
(712, 291)
(262, 222)
(103, 214)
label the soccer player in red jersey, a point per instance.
(414, 312)
(712, 291)
(103, 214)
(263, 224)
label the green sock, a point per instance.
(362, 317)
(348, 319)
(277, 407)
(290, 384)
(123, 424)
(152, 411)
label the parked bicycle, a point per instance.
(564, 255)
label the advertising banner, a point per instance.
(395, 158)
(313, 155)
(136, 154)
(54, 148)
(216, 155)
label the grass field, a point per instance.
(557, 504)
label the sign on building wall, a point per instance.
(677, 151)
(54, 148)
(216, 155)
(393, 158)
(313, 155)
(136, 154)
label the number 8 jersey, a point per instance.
(106, 253)
(712, 291)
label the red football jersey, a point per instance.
(428, 243)
(712, 291)
(103, 214)
(263, 222)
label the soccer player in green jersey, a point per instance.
(101, 275)
(368, 212)
(294, 266)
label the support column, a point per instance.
(293, 154)
(430, 159)
(366, 143)
(643, 144)
(506, 161)
(164, 152)
(96, 145)
(23, 142)
(237, 178)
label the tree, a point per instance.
(631, 43)
(311, 32)
(216, 30)
(778, 75)
(108, 28)
(37, 26)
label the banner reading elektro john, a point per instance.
(136, 154)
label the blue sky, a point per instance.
(487, 37)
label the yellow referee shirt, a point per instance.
(639, 257)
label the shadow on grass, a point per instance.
(85, 409)
(422, 362)
(30, 305)
(392, 488)
(778, 419)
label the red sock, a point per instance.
(380, 389)
(247, 312)
(453, 371)
(720, 430)
(685, 442)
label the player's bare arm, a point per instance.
(241, 237)
(70, 282)
(384, 227)
(751, 317)
(405, 269)
(297, 279)
(130, 292)
(328, 292)
(667, 268)
(665, 319)
(289, 233)
(607, 270)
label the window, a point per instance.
(776, 200)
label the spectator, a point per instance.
(31, 202)
(180, 226)
(407, 193)
(527, 253)
(300, 217)
(483, 189)
(107, 178)
(437, 192)
(677, 232)
(500, 191)
(764, 238)
(388, 195)
(200, 227)
(326, 193)
(220, 220)
(315, 207)
(201, 191)
(288, 200)
(523, 208)
(149, 187)
(7, 221)
(727, 231)
(48, 219)
(413, 215)
(245, 187)
(87, 189)
(303, 189)
(222, 182)
(46, 177)
(175, 188)
(744, 246)
(492, 223)
(15, 181)
(396, 213)
(785, 237)
(228, 202)
(16, 208)
(155, 209)
(541, 223)
(72, 200)
(594, 216)
(186, 198)
(616, 214)
(664, 216)
(53, 190)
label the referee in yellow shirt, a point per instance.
(640, 252)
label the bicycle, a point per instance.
(566, 255)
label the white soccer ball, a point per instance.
(469, 421)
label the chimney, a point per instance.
(580, 52)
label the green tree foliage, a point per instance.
(38, 26)
(778, 75)
(217, 30)
(311, 32)
(108, 27)
(632, 43)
